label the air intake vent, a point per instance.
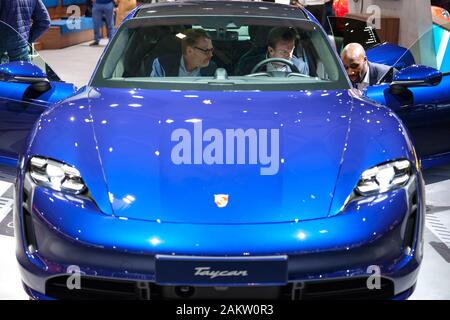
(103, 289)
(410, 230)
(351, 289)
(30, 237)
(92, 289)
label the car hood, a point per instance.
(146, 139)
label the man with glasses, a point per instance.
(361, 72)
(280, 44)
(194, 61)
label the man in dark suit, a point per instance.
(280, 44)
(193, 61)
(361, 72)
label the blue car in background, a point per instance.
(272, 184)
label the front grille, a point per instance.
(105, 289)
(92, 289)
(347, 289)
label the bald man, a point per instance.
(361, 72)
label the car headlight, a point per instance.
(56, 175)
(385, 177)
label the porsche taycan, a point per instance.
(269, 183)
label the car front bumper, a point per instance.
(328, 257)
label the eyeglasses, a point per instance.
(205, 51)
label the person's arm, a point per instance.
(41, 21)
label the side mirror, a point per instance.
(24, 72)
(415, 76)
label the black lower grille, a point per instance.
(92, 289)
(105, 289)
(351, 289)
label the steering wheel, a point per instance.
(270, 60)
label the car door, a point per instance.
(424, 109)
(27, 89)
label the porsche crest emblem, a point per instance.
(221, 200)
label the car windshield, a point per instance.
(220, 53)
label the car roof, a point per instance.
(220, 7)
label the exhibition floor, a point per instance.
(75, 65)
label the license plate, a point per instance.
(177, 270)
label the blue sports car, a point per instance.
(195, 164)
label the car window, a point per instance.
(13, 47)
(431, 48)
(348, 30)
(144, 45)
